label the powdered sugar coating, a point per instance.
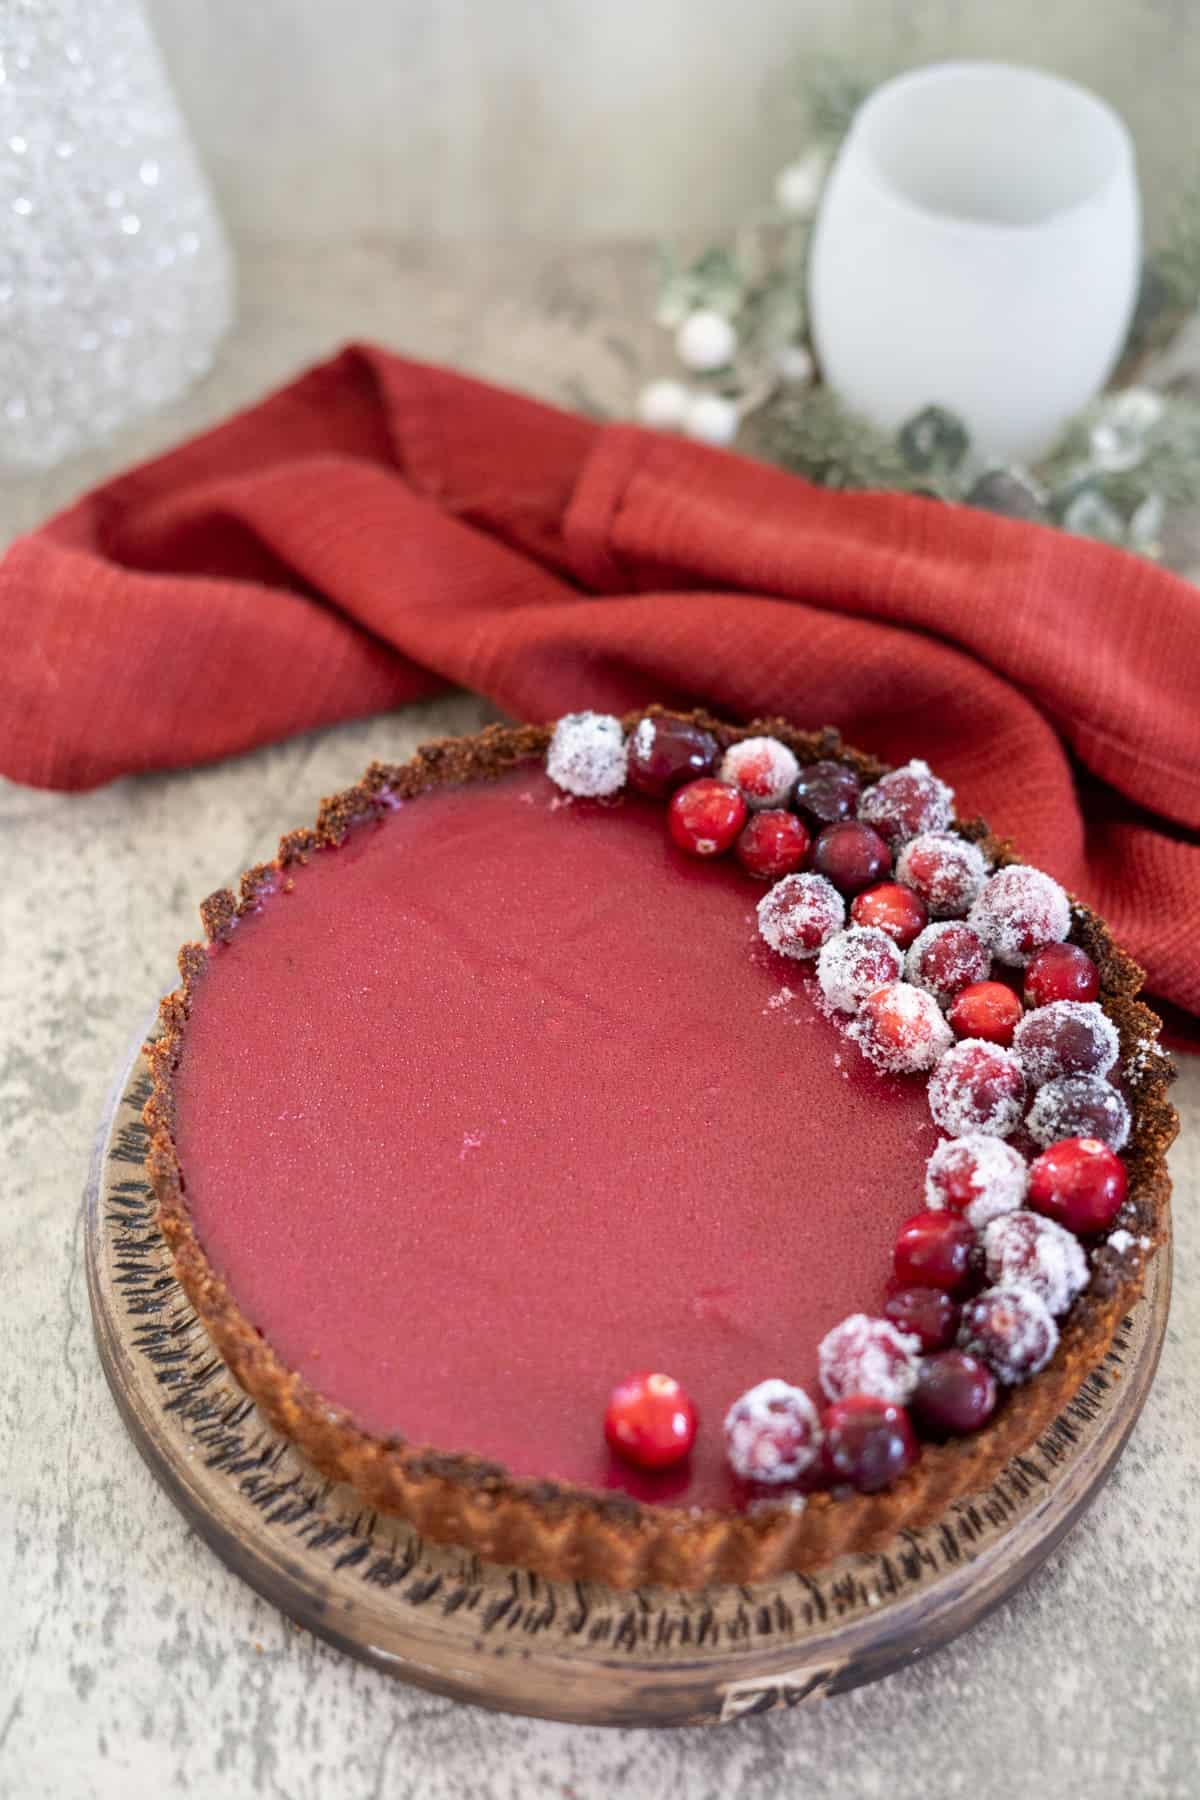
(1011, 1330)
(868, 1356)
(901, 1030)
(946, 958)
(1019, 910)
(763, 769)
(977, 1087)
(906, 803)
(995, 1174)
(853, 963)
(1025, 1250)
(799, 914)
(586, 756)
(1123, 1242)
(1079, 1106)
(1068, 1037)
(643, 737)
(772, 1432)
(947, 872)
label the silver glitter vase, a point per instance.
(116, 281)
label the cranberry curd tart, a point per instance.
(646, 1149)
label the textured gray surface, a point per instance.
(568, 119)
(131, 1662)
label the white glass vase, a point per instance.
(116, 280)
(977, 249)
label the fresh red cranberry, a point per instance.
(1011, 1330)
(772, 1433)
(926, 1313)
(851, 855)
(907, 802)
(977, 1087)
(946, 958)
(869, 1443)
(947, 871)
(1085, 1106)
(772, 843)
(891, 908)
(934, 1250)
(1067, 1037)
(987, 1010)
(900, 1029)
(827, 792)
(664, 753)
(1079, 1183)
(650, 1421)
(956, 1394)
(705, 817)
(1060, 972)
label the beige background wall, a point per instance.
(559, 118)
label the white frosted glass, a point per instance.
(116, 282)
(978, 248)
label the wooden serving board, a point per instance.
(502, 1637)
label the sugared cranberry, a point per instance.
(1084, 1106)
(1011, 1330)
(906, 803)
(868, 1442)
(979, 1176)
(987, 1010)
(1067, 1037)
(947, 872)
(1060, 972)
(901, 1030)
(772, 843)
(650, 1421)
(934, 1250)
(772, 1433)
(977, 1087)
(586, 755)
(947, 958)
(827, 792)
(705, 817)
(1019, 911)
(856, 963)
(799, 914)
(851, 855)
(1080, 1183)
(1025, 1250)
(664, 753)
(926, 1313)
(867, 1356)
(891, 908)
(763, 769)
(956, 1394)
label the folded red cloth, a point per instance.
(380, 528)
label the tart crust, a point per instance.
(566, 1532)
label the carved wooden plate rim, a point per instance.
(440, 1618)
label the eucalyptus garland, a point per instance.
(1118, 473)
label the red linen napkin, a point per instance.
(380, 528)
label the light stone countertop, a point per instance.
(131, 1661)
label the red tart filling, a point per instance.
(506, 1098)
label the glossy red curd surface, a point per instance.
(506, 1100)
